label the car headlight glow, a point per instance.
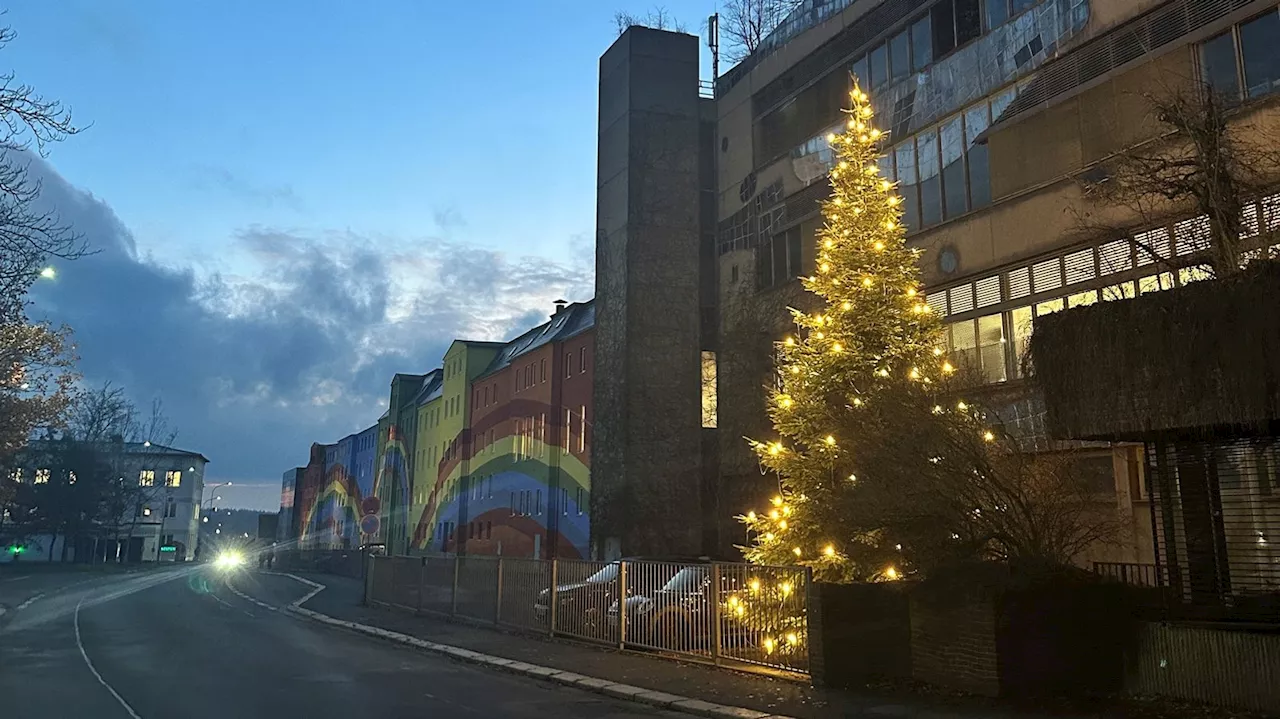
(228, 560)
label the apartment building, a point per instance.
(997, 109)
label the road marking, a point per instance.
(317, 588)
(221, 601)
(17, 579)
(85, 655)
(27, 603)
(248, 598)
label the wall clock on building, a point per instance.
(948, 260)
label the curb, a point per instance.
(580, 681)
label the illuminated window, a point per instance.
(16, 475)
(991, 344)
(1080, 299)
(709, 404)
(1155, 283)
(173, 478)
(1021, 325)
(42, 476)
(71, 476)
(1048, 308)
(1195, 273)
(1122, 291)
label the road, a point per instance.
(182, 643)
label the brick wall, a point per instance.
(858, 633)
(954, 645)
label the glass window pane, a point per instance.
(907, 184)
(975, 123)
(1122, 291)
(1218, 58)
(968, 20)
(859, 70)
(997, 12)
(955, 197)
(1049, 307)
(964, 346)
(900, 55)
(1021, 323)
(885, 162)
(921, 44)
(991, 347)
(879, 65)
(780, 273)
(1260, 49)
(794, 242)
(930, 181)
(942, 18)
(1080, 299)
(1020, 5)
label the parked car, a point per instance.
(582, 607)
(679, 614)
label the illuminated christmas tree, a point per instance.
(862, 429)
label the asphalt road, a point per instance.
(180, 643)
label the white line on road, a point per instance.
(84, 655)
(16, 579)
(248, 598)
(316, 589)
(27, 603)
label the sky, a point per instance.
(291, 201)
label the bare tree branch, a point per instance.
(746, 23)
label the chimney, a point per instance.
(560, 305)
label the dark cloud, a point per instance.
(252, 371)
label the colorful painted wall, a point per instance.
(487, 454)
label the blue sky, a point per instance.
(294, 199)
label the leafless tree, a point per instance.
(658, 18)
(1204, 161)
(746, 23)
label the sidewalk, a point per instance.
(341, 600)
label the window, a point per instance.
(859, 70)
(583, 500)
(564, 501)
(907, 184)
(488, 530)
(900, 55)
(879, 65)
(976, 122)
(1021, 324)
(567, 430)
(146, 478)
(956, 197)
(582, 359)
(930, 182)
(1251, 48)
(173, 478)
(1218, 65)
(921, 44)
(543, 370)
(942, 18)
(16, 475)
(513, 504)
(997, 13)
(538, 505)
(709, 408)
(170, 509)
(42, 476)
(568, 365)
(968, 21)
(991, 347)
(582, 437)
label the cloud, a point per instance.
(252, 369)
(448, 219)
(224, 180)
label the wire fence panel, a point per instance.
(524, 582)
(478, 588)
(765, 613)
(669, 608)
(404, 582)
(722, 613)
(380, 588)
(437, 584)
(581, 598)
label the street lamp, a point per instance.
(48, 273)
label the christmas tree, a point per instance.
(862, 429)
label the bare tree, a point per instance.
(746, 23)
(658, 18)
(1203, 162)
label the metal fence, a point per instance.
(742, 615)
(1216, 516)
(1136, 574)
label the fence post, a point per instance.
(453, 601)
(551, 610)
(368, 579)
(422, 584)
(622, 605)
(716, 631)
(497, 606)
(808, 635)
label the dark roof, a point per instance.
(145, 448)
(569, 322)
